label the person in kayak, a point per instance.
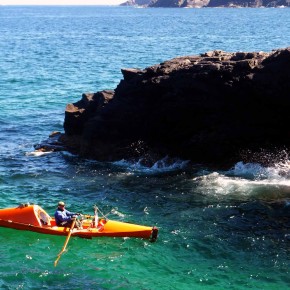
(64, 218)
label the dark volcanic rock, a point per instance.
(207, 3)
(178, 3)
(248, 3)
(136, 2)
(205, 108)
(79, 113)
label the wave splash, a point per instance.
(246, 180)
(278, 171)
(163, 165)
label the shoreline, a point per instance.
(144, 6)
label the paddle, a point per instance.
(66, 242)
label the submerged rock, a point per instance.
(207, 108)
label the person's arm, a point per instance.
(70, 214)
(62, 217)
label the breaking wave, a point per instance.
(246, 180)
(38, 153)
(279, 171)
(163, 165)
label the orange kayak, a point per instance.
(34, 218)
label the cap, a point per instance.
(61, 203)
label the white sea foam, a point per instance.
(256, 171)
(38, 153)
(245, 180)
(163, 165)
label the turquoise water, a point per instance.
(219, 229)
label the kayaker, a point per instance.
(65, 218)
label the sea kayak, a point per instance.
(34, 218)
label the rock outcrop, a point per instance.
(207, 108)
(179, 3)
(136, 3)
(249, 3)
(207, 3)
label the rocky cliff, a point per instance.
(208, 108)
(179, 3)
(208, 3)
(249, 3)
(136, 3)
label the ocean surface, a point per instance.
(218, 229)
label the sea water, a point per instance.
(218, 229)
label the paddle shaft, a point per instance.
(66, 242)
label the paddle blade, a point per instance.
(56, 261)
